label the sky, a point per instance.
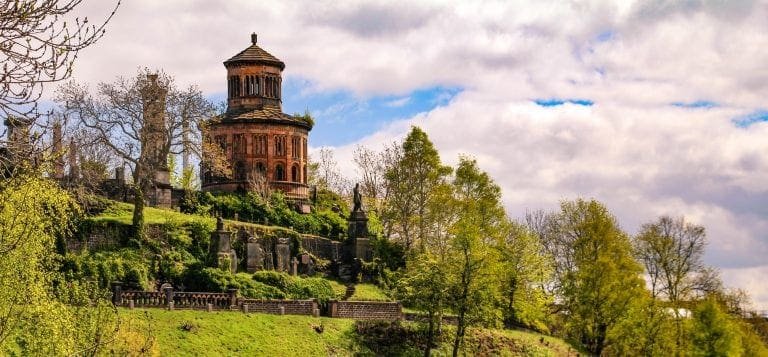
(651, 107)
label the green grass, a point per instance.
(122, 213)
(199, 333)
(363, 292)
(339, 289)
(369, 292)
(232, 333)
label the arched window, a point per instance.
(256, 85)
(305, 174)
(279, 172)
(260, 170)
(295, 173)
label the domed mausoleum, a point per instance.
(263, 145)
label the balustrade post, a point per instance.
(232, 297)
(169, 296)
(117, 293)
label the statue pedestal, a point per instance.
(358, 225)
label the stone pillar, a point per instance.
(232, 297)
(362, 249)
(294, 266)
(169, 297)
(333, 308)
(117, 293)
(358, 225)
(315, 309)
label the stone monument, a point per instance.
(220, 251)
(358, 220)
(282, 255)
(255, 255)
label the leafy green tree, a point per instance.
(524, 272)
(474, 268)
(714, 332)
(410, 184)
(425, 287)
(604, 278)
(40, 315)
(648, 330)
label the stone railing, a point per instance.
(201, 300)
(359, 310)
(174, 299)
(142, 298)
(365, 310)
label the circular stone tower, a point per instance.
(265, 147)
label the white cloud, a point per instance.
(397, 103)
(631, 150)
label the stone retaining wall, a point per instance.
(321, 247)
(365, 310)
(289, 307)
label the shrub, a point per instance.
(310, 288)
(272, 278)
(295, 287)
(197, 278)
(127, 266)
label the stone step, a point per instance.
(350, 291)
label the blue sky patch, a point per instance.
(552, 102)
(605, 36)
(760, 115)
(342, 118)
(705, 104)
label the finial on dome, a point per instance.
(253, 38)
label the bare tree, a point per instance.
(37, 47)
(672, 252)
(142, 120)
(326, 174)
(556, 243)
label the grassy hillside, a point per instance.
(232, 333)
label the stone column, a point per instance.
(332, 308)
(232, 297)
(169, 296)
(117, 293)
(294, 266)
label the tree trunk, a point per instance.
(138, 204)
(512, 316)
(459, 333)
(430, 334)
(138, 213)
(602, 330)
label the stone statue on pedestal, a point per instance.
(357, 199)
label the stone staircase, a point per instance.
(350, 291)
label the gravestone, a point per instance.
(283, 255)
(294, 266)
(269, 259)
(220, 251)
(255, 256)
